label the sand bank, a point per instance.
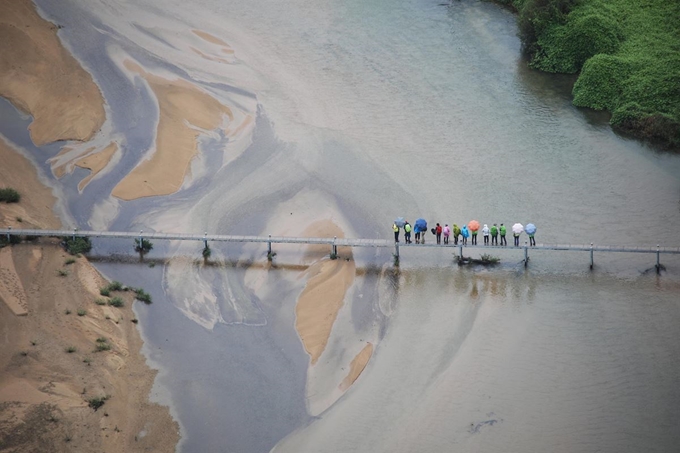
(357, 366)
(324, 293)
(185, 110)
(39, 76)
(43, 388)
(95, 163)
(35, 208)
(226, 48)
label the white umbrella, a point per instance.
(517, 228)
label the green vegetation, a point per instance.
(100, 301)
(9, 195)
(78, 245)
(96, 403)
(62, 272)
(69, 261)
(142, 295)
(67, 312)
(143, 247)
(81, 312)
(105, 291)
(71, 349)
(627, 53)
(116, 302)
(115, 286)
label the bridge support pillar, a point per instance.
(334, 249)
(269, 249)
(396, 254)
(9, 233)
(658, 260)
(526, 254)
(460, 252)
(205, 240)
(74, 233)
(592, 261)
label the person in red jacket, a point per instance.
(438, 233)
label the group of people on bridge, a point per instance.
(462, 234)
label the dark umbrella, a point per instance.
(421, 225)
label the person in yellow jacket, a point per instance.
(407, 233)
(395, 228)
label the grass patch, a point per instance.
(19, 219)
(87, 360)
(9, 195)
(115, 286)
(97, 402)
(117, 302)
(69, 261)
(104, 291)
(102, 347)
(100, 301)
(62, 272)
(67, 312)
(142, 295)
(81, 312)
(71, 349)
(627, 53)
(77, 246)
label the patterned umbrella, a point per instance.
(517, 228)
(530, 228)
(473, 225)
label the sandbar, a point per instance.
(357, 366)
(95, 163)
(40, 77)
(184, 111)
(324, 294)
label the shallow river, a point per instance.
(367, 110)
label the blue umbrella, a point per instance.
(420, 225)
(400, 222)
(530, 228)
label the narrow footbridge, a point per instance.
(335, 242)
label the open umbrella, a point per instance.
(400, 222)
(530, 228)
(473, 225)
(420, 225)
(517, 228)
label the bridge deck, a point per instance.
(341, 242)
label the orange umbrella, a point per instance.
(473, 225)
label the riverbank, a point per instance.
(626, 54)
(63, 348)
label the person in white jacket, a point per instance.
(485, 233)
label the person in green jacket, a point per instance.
(503, 231)
(407, 232)
(494, 235)
(456, 233)
(395, 228)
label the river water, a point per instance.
(366, 111)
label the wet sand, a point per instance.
(356, 367)
(95, 163)
(42, 78)
(324, 294)
(185, 111)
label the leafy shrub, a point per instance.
(100, 301)
(142, 295)
(143, 247)
(102, 347)
(9, 195)
(77, 245)
(81, 312)
(71, 349)
(115, 286)
(116, 302)
(96, 403)
(105, 291)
